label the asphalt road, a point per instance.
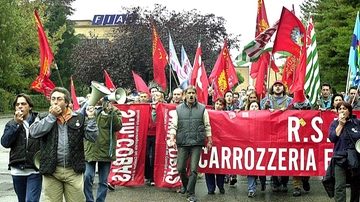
(153, 193)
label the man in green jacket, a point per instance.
(102, 152)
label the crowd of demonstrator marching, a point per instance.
(57, 152)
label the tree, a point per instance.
(334, 25)
(131, 48)
(58, 12)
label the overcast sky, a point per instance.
(240, 16)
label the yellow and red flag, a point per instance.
(43, 83)
(223, 77)
(160, 58)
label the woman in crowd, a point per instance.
(251, 97)
(344, 132)
(218, 178)
(254, 105)
(336, 98)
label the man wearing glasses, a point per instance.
(61, 132)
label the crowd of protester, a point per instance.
(70, 142)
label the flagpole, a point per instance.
(347, 82)
(170, 80)
(172, 72)
(57, 70)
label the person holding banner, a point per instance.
(324, 102)
(254, 105)
(102, 151)
(230, 107)
(219, 178)
(277, 100)
(62, 132)
(188, 132)
(301, 181)
(26, 178)
(344, 132)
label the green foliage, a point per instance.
(334, 24)
(241, 80)
(6, 100)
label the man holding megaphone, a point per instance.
(62, 161)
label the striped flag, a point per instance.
(354, 58)
(312, 79)
(254, 49)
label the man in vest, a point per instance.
(62, 132)
(188, 133)
(277, 100)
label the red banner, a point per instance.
(128, 168)
(289, 143)
(165, 166)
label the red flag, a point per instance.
(261, 80)
(223, 77)
(140, 84)
(289, 68)
(108, 83)
(160, 59)
(291, 37)
(201, 84)
(291, 34)
(197, 63)
(73, 95)
(42, 83)
(262, 22)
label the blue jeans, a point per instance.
(252, 182)
(103, 171)
(184, 153)
(28, 188)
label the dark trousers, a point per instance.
(28, 188)
(149, 161)
(184, 154)
(212, 178)
(278, 181)
(341, 173)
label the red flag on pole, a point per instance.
(73, 95)
(43, 83)
(291, 37)
(197, 63)
(160, 58)
(108, 83)
(223, 77)
(260, 67)
(140, 84)
(201, 84)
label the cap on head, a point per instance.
(279, 82)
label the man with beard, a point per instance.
(277, 100)
(324, 103)
(188, 133)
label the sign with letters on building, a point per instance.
(111, 19)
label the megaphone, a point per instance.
(118, 96)
(357, 145)
(37, 159)
(97, 92)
